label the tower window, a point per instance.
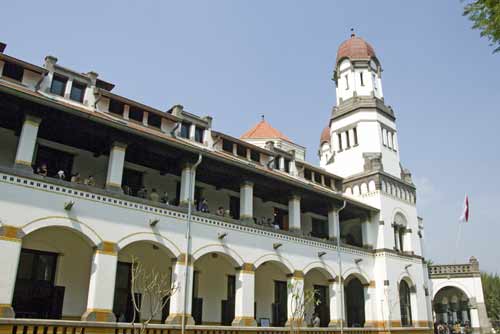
(340, 141)
(355, 132)
(361, 78)
(375, 86)
(346, 82)
(348, 142)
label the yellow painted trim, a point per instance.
(113, 184)
(31, 122)
(23, 162)
(11, 239)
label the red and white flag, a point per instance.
(465, 214)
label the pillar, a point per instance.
(183, 293)
(366, 233)
(102, 284)
(336, 316)
(294, 213)
(115, 166)
(246, 201)
(10, 248)
(370, 300)
(281, 163)
(187, 174)
(245, 296)
(27, 143)
(192, 130)
(295, 300)
(333, 217)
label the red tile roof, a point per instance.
(263, 130)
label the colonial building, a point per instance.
(90, 179)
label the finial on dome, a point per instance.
(352, 33)
(262, 117)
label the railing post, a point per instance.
(102, 284)
(10, 248)
(245, 296)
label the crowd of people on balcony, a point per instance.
(450, 328)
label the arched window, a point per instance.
(405, 304)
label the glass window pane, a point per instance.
(77, 92)
(58, 85)
(25, 265)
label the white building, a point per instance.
(66, 243)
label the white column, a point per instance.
(245, 296)
(67, 90)
(10, 248)
(282, 163)
(145, 118)
(115, 166)
(335, 303)
(102, 284)
(246, 201)
(370, 294)
(182, 293)
(333, 217)
(192, 129)
(186, 174)
(27, 142)
(126, 111)
(366, 233)
(295, 287)
(294, 213)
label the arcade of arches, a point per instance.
(54, 281)
(451, 305)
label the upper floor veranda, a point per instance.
(70, 127)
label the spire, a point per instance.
(352, 33)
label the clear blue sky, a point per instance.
(236, 60)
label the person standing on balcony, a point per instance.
(204, 206)
(154, 196)
(142, 193)
(76, 178)
(164, 198)
(90, 181)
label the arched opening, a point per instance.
(271, 294)
(405, 304)
(317, 280)
(451, 305)
(53, 274)
(152, 257)
(354, 302)
(214, 289)
(400, 228)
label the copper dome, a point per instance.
(355, 48)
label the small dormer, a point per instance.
(18, 71)
(263, 132)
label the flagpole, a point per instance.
(457, 242)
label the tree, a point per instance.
(491, 288)
(300, 300)
(485, 15)
(155, 292)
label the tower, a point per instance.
(362, 128)
(360, 144)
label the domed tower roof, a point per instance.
(325, 136)
(355, 48)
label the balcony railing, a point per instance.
(65, 188)
(40, 326)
